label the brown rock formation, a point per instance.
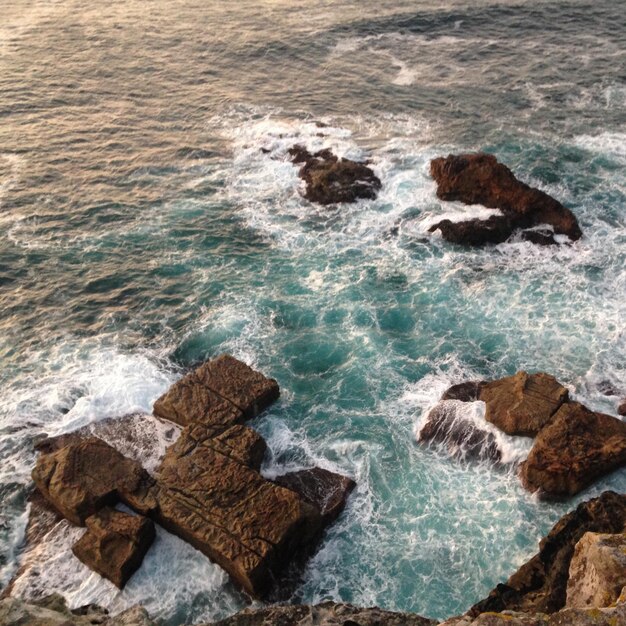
(574, 449)
(466, 392)
(541, 584)
(524, 403)
(115, 544)
(621, 409)
(480, 179)
(330, 180)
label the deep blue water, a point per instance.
(143, 229)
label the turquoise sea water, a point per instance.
(143, 229)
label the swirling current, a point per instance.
(143, 229)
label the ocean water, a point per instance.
(142, 229)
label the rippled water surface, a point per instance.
(144, 229)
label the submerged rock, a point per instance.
(597, 572)
(479, 179)
(331, 180)
(540, 585)
(325, 614)
(575, 448)
(466, 392)
(115, 544)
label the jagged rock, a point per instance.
(326, 491)
(325, 614)
(223, 391)
(540, 585)
(330, 180)
(524, 403)
(539, 237)
(115, 544)
(575, 448)
(597, 572)
(227, 510)
(480, 179)
(87, 475)
(445, 424)
(466, 392)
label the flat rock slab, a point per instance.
(479, 179)
(574, 449)
(221, 392)
(331, 180)
(115, 544)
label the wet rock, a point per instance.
(227, 510)
(607, 388)
(331, 180)
(597, 572)
(466, 392)
(539, 237)
(540, 585)
(326, 491)
(223, 391)
(621, 409)
(325, 614)
(115, 544)
(480, 179)
(524, 403)
(446, 425)
(575, 448)
(475, 232)
(87, 475)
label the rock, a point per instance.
(475, 232)
(223, 391)
(325, 614)
(539, 237)
(607, 388)
(227, 510)
(540, 585)
(445, 424)
(466, 392)
(621, 409)
(326, 491)
(115, 544)
(331, 180)
(574, 449)
(524, 403)
(480, 179)
(597, 572)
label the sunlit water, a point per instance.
(143, 229)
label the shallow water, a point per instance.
(142, 229)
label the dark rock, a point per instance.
(466, 392)
(325, 614)
(541, 583)
(331, 180)
(446, 425)
(575, 448)
(326, 491)
(607, 388)
(223, 391)
(539, 237)
(621, 409)
(475, 232)
(115, 544)
(524, 403)
(480, 179)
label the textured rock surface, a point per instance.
(475, 232)
(524, 403)
(325, 614)
(330, 180)
(220, 392)
(480, 179)
(540, 585)
(115, 544)
(574, 449)
(597, 572)
(466, 392)
(88, 474)
(446, 425)
(324, 490)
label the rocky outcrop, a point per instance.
(445, 424)
(331, 180)
(325, 614)
(540, 585)
(208, 489)
(524, 403)
(575, 448)
(480, 179)
(466, 392)
(115, 544)
(597, 572)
